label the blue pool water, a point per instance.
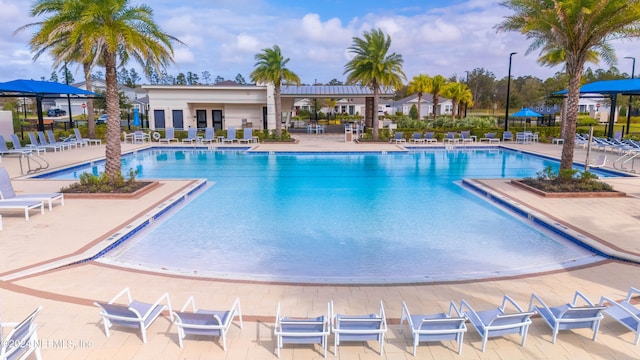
(342, 218)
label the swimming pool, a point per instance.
(342, 218)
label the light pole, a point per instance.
(633, 69)
(465, 105)
(66, 81)
(506, 112)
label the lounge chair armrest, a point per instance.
(631, 292)
(506, 300)
(616, 304)
(405, 316)
(8, 324)
(604, 299)
(580, 295)
(454, 309)
(332, 316)
(124, 291)
(383, 317)
(277, 327)
(469, 313)
(536, 299)
(235, 309)
(191, 301)
(165, 298)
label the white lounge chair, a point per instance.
(4, 150)
(625, 312)
(569, 316)
(40, 141)
(450, 137)
(247, 136)
(398, 137)
(64, 144)
(17, 146)
(169, 136)
(51, 142)
(429, 136)
(35, 144)
(435, 327)
(22, 340)
(132, 314)
(209, 135)
(88, 141)
(231, 135)
(465, 136)
(206, 322)
(295, 330)
(499, 321)
(192, 136)
(490, 137)
(359, 327)
(24, 205)
(7, 192)
(507, 136)
(417, 138)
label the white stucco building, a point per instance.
(227, 106)
(445, 106)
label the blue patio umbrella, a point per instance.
(526, 112)
(136, 117)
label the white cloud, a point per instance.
(222, 37)
(183, 55)
(247, 43)
(330, 31)
(440, 32)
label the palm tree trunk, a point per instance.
(419, 104)
(376, 123)
(113, 151)
(454, 105)
(276, 95)
(571, 117)
(435, 105)
(91, 125)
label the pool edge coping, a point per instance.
(568, 231)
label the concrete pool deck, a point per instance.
(70, 328)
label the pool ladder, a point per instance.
(622, 161)
(39, 163)
(450, 146)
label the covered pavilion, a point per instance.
(610, 89)
(41, 90)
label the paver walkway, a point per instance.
(70, 328)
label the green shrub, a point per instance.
(586, 120)
(405, 122)
(413, 112)
(90, 183)
(568, 180)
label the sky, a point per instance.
(434, 37)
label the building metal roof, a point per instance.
(36, 87)
(331, 91)
(623, 86)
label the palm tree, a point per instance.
(436, 86)
(459, 94)
(109, 32)
(331, 104)
(572, 32)
(271, 67)
(466, 100)
(419, 84)
(372, 66)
